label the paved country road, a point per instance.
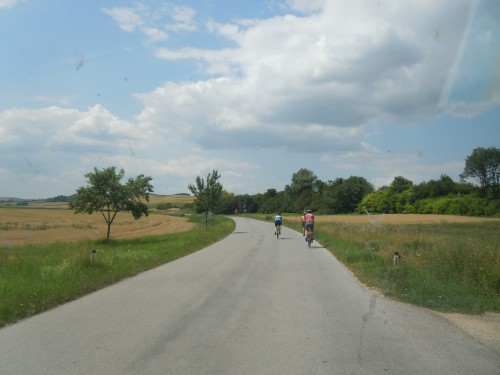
(250, 304)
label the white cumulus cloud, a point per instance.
(338, 65)
(9, 3)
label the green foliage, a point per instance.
(271, 201)
(228, 204)
(346, 194)
(302, 181)
(245, 203)
(301, 189)
(356, 194)
(307, 192)
(107, 195)
(389, 201)
(468, 205)
(59, 198)
(395, 199)
(36, 278)
(483, 167)
(439, 188)
(400, 184)
(380, 201)
(164, 206)
(208, 194)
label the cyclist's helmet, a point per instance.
(309, 211)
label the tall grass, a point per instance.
(34, 278)
(446, 267)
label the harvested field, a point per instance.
(19, 226)
(174, 199)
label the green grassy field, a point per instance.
(448, 264)
(449, 267)
(35, 278)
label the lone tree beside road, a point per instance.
(107, 195)
(208, 194)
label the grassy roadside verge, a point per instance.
(441, 268)
(35, 278)
(447, 267)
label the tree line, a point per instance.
(478, 193)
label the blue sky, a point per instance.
(255, 89)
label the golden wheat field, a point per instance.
(398, 219)
(20, 226)
(174, 199)
(53, 222)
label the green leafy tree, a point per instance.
(380, 201)
(106, 194)
(302, 181)
(400, 184)
(348, 193)
(483, 167)
(228, 203)
(274, 201)
(302, 188)
(208, 194)
(435, 188)
(247, 203)
(445, 186)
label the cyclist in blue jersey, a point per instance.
(277, 223)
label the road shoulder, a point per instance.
(485, 327)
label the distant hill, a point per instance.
(9, 199)
(58, 200)
(12, 201)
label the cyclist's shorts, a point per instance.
(277, 222)
(309, 225)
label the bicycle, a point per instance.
(278, 231)
(309, 235)
(309, 226)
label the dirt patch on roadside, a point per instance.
(484, 328)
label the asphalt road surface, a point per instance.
(250, 304)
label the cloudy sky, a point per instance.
(256, 89)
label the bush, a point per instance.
(452, 205)
(164, 206)
(388, 201)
